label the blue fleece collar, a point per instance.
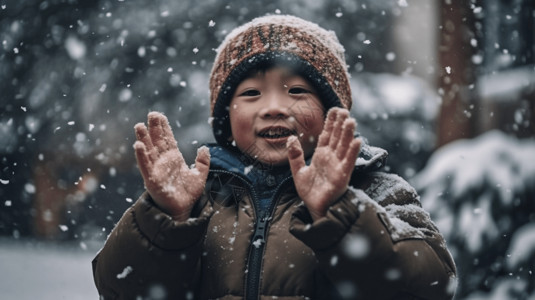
(237, 162)
(370, 159)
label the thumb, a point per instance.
(202, 161)
(296, 157)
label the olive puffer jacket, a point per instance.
(376, 242)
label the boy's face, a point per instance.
(270, 106)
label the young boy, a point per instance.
(287, 204)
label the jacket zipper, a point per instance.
(258, 242)
(254, 263)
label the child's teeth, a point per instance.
(277, 132)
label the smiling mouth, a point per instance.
(276, 133)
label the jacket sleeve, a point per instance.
(148, 255)
(378, 243)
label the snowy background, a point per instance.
(75, 76)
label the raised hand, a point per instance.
(327, 177)
(170, 182)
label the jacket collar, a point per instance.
(370, 159)
(223, 158)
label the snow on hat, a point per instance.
(313, 52)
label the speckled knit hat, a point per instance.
(311, 51)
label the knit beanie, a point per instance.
(309, 50)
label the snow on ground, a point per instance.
(46, 270)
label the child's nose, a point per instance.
(274, 107)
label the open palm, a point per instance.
(173, 185)
(327, 177)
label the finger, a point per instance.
(348, 130)
(325, 135)
(352, 154)
(168, 133)
(341, 116)
(143, 161)
(202, 161)
(156, 131)
(296, 157)
(142, 135)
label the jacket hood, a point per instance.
(370, 158)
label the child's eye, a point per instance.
(250, 93)
(298, 90)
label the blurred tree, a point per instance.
(481, 191)
(487, 68)
(480, 194)
(456, 71)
